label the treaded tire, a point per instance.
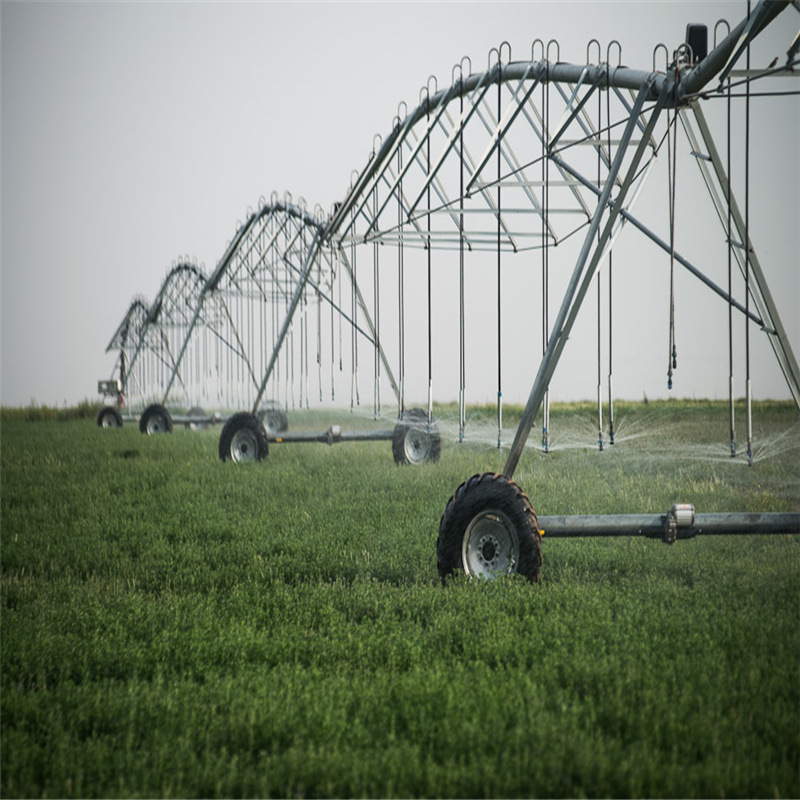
(155, 419)
(489, 528)
(273, 417)
(414, 441)
(109, 417)
(243, 438)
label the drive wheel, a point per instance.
(155, 419)
(109, 417)
(489, 529)
(243, 438)
(414, 440)
(274, 418)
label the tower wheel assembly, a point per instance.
(489, 528)
(243, 439)
(415, 439)
(109, 417)
(155, 419)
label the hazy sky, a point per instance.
(134, 133)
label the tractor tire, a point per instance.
(274, 418)
(109, 417)
(243, 438)
(489, 529)
(155, 419)
(414, 441)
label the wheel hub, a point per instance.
(244, 446)
(488, 550)
(418, 445)
(155, 425)
(490, 546)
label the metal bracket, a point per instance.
(681, 515)
(334, 434)
(109, 388)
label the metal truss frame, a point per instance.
(275, 258)
(483, 165)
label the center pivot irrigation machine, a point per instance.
(491, 173)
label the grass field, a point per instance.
(176, 626)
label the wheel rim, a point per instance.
(417, 445)
(156, 424)
(244, 446)
(272, 421)
(490, 546)
(109, 421)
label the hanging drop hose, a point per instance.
(599, 293)
(354, 393)
(461, 309)
(319, 334)
(430, 318)
(401, 333)
(610, 275)
(376, 397)
(546, 259)
(731, 412)
(749, 397)
(333, 339)
(305, 344)
(499, 317)
(341, 281)
(672, 357)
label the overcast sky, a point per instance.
(134, 133)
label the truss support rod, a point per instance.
(571, 113)
(761, 295)
(579, 283)
(656, 239)
(503, 125)
(441, 106)
(335, 306)
(463, 119)
(483, 190)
